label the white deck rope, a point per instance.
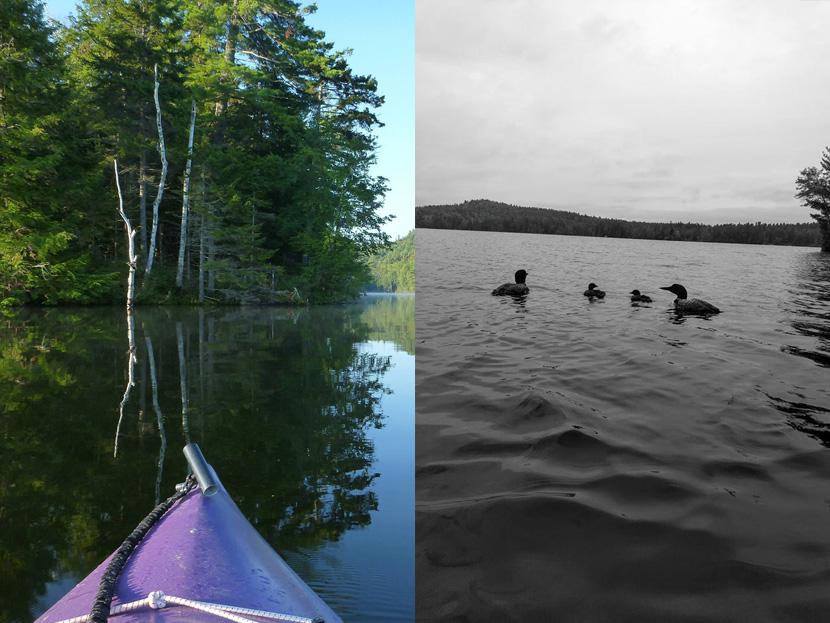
(158, 600)
(133, 605)
(289, 618)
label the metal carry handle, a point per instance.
(200, 469)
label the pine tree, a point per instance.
(813, 188)
(43, 165)
(291, 132)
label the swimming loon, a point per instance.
(636, 297)
(514, 289)
(593, 293)
(689, 306)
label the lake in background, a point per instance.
(596, 461)
(307, 414)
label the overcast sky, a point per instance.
(700, 110)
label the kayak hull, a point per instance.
(202, 549)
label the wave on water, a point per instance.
(597, 462)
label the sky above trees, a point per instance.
(697, 110)
(692, 110)
(382, 35)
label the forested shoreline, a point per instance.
(393, 269)
(486, 215)
(239, 141)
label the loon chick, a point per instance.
(593, 293)
(514, 289)
(636, 297)
(689, 306)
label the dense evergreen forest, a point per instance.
(217, 151)
(485, 215)
(393, 269)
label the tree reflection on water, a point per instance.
(280, 400)
(807, 304)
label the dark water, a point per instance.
(582, 461)
(306, 414)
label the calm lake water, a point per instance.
(307, 414)
(603, 461)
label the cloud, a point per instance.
(664, 104)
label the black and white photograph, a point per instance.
(623, 314)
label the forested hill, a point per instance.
(238, 139)
(485, 215)
(393, 269)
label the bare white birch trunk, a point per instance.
(186, 197)
(159, 417)
(183, 383)
(131, 360)
(142, 204)
(204, 223)
(211, 275)
(163, 153)
(131, 256)
(202, 256)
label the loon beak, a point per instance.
(669, 288)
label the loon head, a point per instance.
(592, 285)
(635, 292)
(520, 276)
(676, 289)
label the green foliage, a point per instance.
(392, 319)
(286, 148)
(281, 191)
(484, 215)
(393, 269)
(336, 271)
(43, 165)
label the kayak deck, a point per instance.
(202, 549)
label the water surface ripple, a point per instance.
(599, 461)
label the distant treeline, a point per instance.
(393, 269)
(485, 215)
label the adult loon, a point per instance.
(593, 293)
(636, 297)
(514, 289)
(689, 306)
